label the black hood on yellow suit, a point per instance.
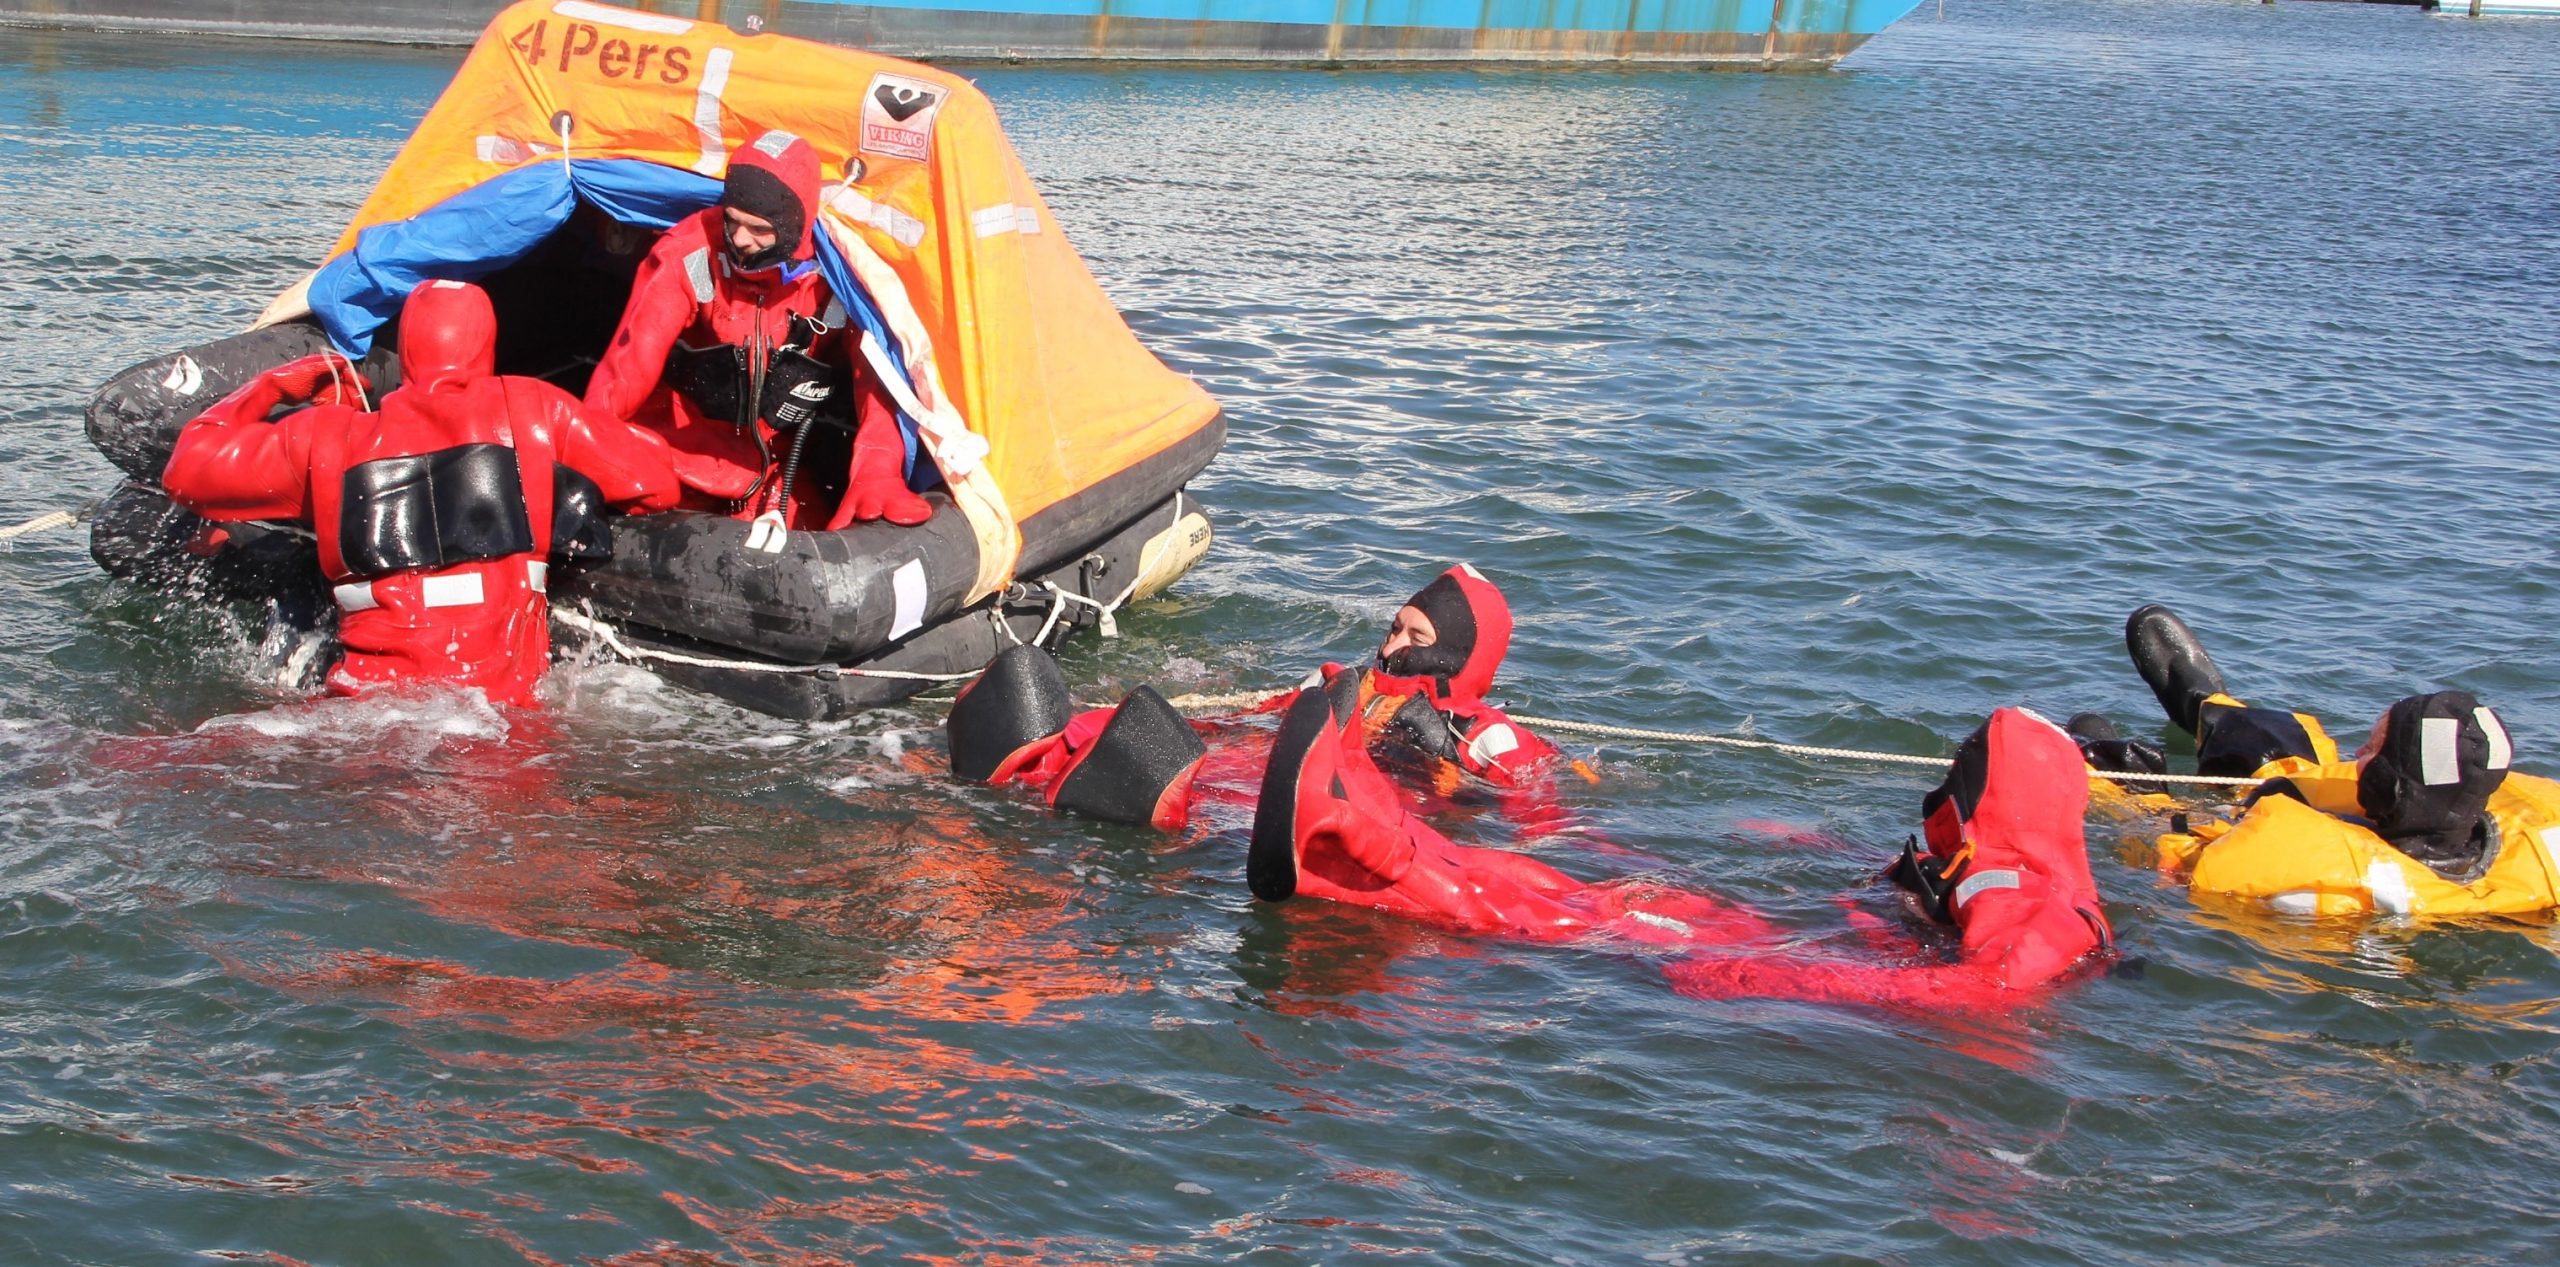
(2428, 787)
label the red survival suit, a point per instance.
(1432, 697)
(436, 515)
(731, 359)
(1330, 825)
(2006, 865)
(1424, 702)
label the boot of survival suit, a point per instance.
(1130, 764)
(1016, 704)
(1137, 770)
(2172, 662)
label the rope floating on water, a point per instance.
(1596, 730)
(48, 521)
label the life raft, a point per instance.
(1052, 445)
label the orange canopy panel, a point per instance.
(1025, 383)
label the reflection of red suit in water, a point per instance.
(436, 516)
(2006, 864)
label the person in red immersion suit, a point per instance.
(436, 514)
(2006, 865)
(1422, 705)
(1330, 825)
(733, 345)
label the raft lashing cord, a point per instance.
(611, 639)
(1596, 730)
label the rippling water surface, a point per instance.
(1835, 407)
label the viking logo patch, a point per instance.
(897, 116)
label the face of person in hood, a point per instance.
(1409, 630)
(1453, 633)
(750, 236)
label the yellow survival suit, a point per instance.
(2428, 819)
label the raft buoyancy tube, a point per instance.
(134, 420)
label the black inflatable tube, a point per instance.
(960, 644)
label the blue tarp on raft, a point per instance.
(493, 224)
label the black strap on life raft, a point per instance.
(433, 510)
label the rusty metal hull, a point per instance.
(1761, 34)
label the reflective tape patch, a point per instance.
(2388, 884)
(186, 378)
(903, 229)
(706, 112)
(501, 150)
(2500, 753)
(538, 575)
(443, 284)
(2437, 738)
(907, 586)
(2297, 902)
(1981, 880)
(459, 589)
(697, 270)
(1470, 569)
(1492, 742)
(987, 222)
(355, 597)
(1663, 922)
(2550, 840)
(773, 143)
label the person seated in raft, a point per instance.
(2426, 817)
(1422, 704)
(438, 512)
(732, 344)
(2006, 866)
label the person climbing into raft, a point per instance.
(437, 513)
(733, 346)
(2425, 818)
(1422, 704)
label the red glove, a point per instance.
(878, 488)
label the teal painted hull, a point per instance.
(1738, 33)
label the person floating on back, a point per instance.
(2426, 818)
(736, 350)
(1422, 703)
(438, 514)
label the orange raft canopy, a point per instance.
(1012, 371)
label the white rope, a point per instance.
(1240, 698)
(613, 642)
(41, 523)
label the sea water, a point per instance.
(1836, 408)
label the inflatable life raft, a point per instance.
(1052, 446)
